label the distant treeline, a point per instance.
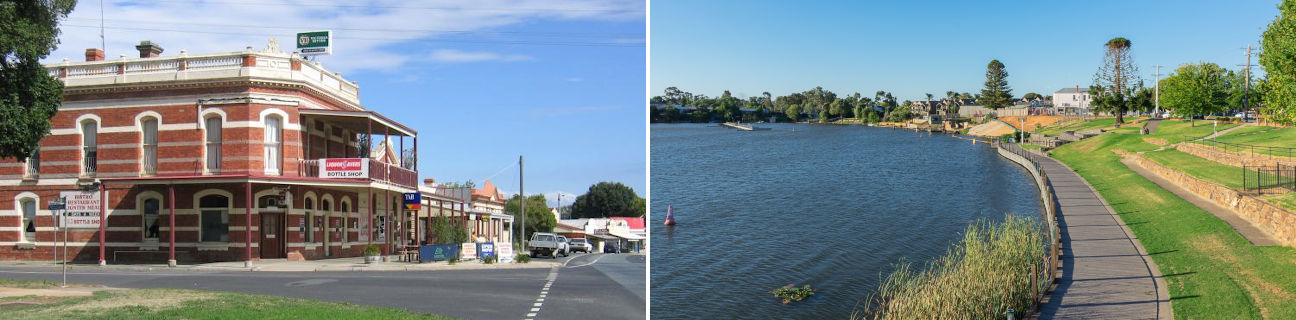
(816, 104)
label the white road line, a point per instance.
(544, 292)
(590, 263)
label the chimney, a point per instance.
(429, 182)
(148, 49)
(94, 54)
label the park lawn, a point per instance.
(1286, 200)
(1176, 131)
(1211, 271)
(1269, 136)
(193, 304)
(1103, 123)
(1199, 168)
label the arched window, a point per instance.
(215, 218)
(28, 219)
(213, 144)
(149, 145)
(89, 146)
(150, 210)
(309, 208)
(273, 144)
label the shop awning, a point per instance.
(626, 236)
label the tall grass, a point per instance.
(980, 277)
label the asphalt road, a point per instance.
(588, 286)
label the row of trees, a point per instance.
(602, 200)
(816, 103)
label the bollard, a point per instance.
(1011, 316)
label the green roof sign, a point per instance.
(315, 43)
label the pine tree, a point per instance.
(996, 94)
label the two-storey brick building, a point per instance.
(213, 157)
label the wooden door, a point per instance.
(272, 238)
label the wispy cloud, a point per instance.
(380, 34)
(574, 79)
(451, 55)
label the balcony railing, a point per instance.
(33, 168)
(89, 164)
(378, 171)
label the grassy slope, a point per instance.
(1105, 123)
(1211, 271)
(193, 304)
(1264, 136)
(1199, 168)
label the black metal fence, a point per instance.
(1262, 179)
(1269, 152)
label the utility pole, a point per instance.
(521, 193)
(1246, 95)
(1156, 111)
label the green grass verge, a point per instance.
(1287, 200)
(193, 304)
(1211, 271)
(28, 284)
(1199, 168)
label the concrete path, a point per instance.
(1151, 125)
(1106, 274)
(1242, 226)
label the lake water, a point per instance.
(834, 207)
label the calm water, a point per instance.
(829, 206)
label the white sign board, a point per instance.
(504, 251)
(344, 168)
(468, 251)
(82, 211)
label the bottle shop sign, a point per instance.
(344, 168)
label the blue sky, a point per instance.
(483, 81)
(915, 47)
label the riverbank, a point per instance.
(1211, 271)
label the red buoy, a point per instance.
(670, 218)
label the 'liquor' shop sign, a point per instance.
(344, 168)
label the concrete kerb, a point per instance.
(1163, 295)
(283, 266)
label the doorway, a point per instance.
(272, 235)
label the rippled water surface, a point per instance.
(829, 206)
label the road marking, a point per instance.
(544, 292)
(591, 262)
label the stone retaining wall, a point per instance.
(1232, 159)
(1276, 221)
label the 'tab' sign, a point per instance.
(315, 43)
(344, 168)
(413, 201)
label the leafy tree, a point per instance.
(29, 96)
(538, 216)
(1195, 89)
(605, 199)
(873, 117)
(996, 94)
(794, 112)
(1032, 96)
(1116, 75)
(446, 232)
(839, 107)
(467, 184)
(1278, 56)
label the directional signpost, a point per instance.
(60, 204)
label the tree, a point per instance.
(468, 184)
(996, 94)
(29, 96)
(446, 232)
(1195, 89)
(794, 112)
(1031, 96)
(538, 216)
(839, 107)
(1278, 56)
(1116, 75)
(605, 199)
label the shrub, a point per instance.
(453, 261)
(489, 260)
(980, 277)
(523, 258)
(372, 250)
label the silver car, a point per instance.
(579, 244)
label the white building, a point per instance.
(1072, 99)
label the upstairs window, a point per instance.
(89, 147)
(273, 144)
(149, 145)
(213, 144)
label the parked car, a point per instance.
(544, 243)
(611, 247)
(563, 247)
(579, 244)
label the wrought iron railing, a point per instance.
(1267, 179)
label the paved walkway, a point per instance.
(1106, 273)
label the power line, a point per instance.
(172, 23)
(333, 5)
(518, 42)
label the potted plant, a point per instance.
(372, 253)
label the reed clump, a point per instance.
(980, 277)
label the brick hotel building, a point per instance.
(211, 157)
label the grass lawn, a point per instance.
(1286, 200)
(1264, 136)
(1211, 271)
(1199, 168)
(186, 304)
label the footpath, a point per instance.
(1106, 272)
(283, 265)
